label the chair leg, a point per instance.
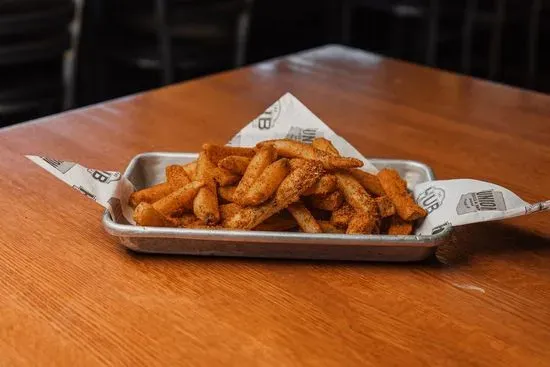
(345, 32)
(496, 42)
(433, 29)
(533, 43)
(243, 27)
(467, 33)
(164, 42)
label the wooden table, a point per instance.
(71, 295)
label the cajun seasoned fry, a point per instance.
(227, 192)
(369, 181)
(385, 206)
(258, 164)
(355, 194)
(325, 185)
(399, 227)
(223, 177)
(326, 146)
(146, 215)
(150, 194)
(328, 227)
(295, 149)
(277, 222)
(228, 210)
(303, 217)
(205, 205)
(288, 192)
(181, 198)
(185, 219)
(328, 202)
(235, 164)
(341, 217)
(267, 183)
(322, 192)
(176, 176)
(216, 153)
(190, 169)
(395, 188)
(362, 223)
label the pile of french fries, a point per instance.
(279, 185)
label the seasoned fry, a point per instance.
(205, 205)
(328, 227)
(235, 164)
(395, 188)
(228, 210)
(385, 206)
(277, 222)
(150, 194)
(268, 182)
(257, 165)
(190, 169)
(146, 215)
(328, 202)
(399, 227)
(178, 199)
(326, 146)
(294, 149)
(223, 177)
(362, 223)
(325, 185)
(322, 192)
(227, 192)
(341, 217)
(176, 176)
(288, 192)
(186, 219)
(305, 220)
(355, 194)
(216, 153)
(369, 181)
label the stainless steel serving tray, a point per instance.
(148, 169)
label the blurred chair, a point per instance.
(428, 11)
(34, 37)
(495, 15)
(147, 43)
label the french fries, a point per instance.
(325, 185)
(176, 176)
(205, 205)
(267, 183)
(294, 149)
(259, 162)
(150, 194)
(396, 189)
(329, 202)
(280, 185)
(303, 217)
(235, 164)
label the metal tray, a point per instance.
(148, 169)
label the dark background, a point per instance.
(118, 47)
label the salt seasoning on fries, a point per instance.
(280, 185)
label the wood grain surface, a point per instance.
(71, 295)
